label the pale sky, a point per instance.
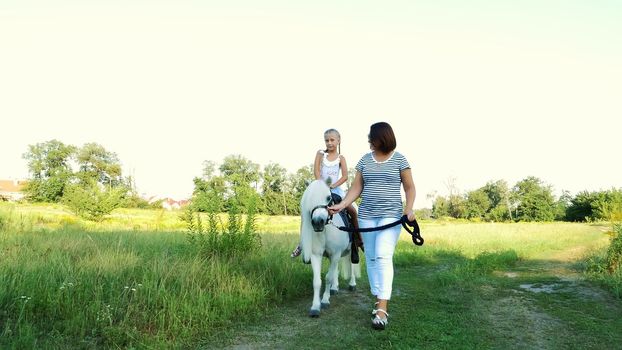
(475, 91)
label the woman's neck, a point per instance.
(381, 156)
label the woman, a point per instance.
(379, 176)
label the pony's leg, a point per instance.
(316, 264)
(330, 277)
(353, 272)
(334, 286)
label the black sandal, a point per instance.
(296, 252)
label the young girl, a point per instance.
(330, 166)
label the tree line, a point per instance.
(89, 180)
(529, 199)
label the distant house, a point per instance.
(171, 204)
(168, 203)
(12, 189)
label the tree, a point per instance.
(561, 206)
(297, 184)
(535, 201)
(50, 169)
(209, 190)
(274, 178)
(580, 208)
(440, 207)
(599, 205)
(241, 177)
(499, 196)
(98, 164)
(609, 205)
(456, 206)
(239, 171)
(274, 196)
(476, 204)
(454, 200)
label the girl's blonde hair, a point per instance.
(338, 135)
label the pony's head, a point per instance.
(315, 202)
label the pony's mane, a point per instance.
(315, 194)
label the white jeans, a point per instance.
(379, 248)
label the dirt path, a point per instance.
(543, 304)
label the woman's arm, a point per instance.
(316, 165)
(353, 193)
(410, 191)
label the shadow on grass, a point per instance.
(442, 299)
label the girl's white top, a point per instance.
(330, 169)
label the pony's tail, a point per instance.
(306, 237)
(347, 268)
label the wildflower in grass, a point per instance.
(67, 285)
(22, 312)
(105, 315)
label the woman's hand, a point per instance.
(410, 214)
(334, 209)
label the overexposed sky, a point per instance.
(475, 91)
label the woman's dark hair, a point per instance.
(382, 137)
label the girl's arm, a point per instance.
(353, 193)
(316, 165)
(410, 191)
(344, 172)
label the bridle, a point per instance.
(325, 206)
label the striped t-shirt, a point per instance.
(381, 196)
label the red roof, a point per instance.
(12, 185)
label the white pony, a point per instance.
(318, 239)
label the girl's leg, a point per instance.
(356, 236)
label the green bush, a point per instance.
(91, 202)
(599, 205)
(613, 260)
(222, 239)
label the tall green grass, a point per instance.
(606, 266)
(91, 288)
(134, 280)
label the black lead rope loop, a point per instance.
(412, 227)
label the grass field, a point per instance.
(134, 281)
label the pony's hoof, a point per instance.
(352, 288)
(334, 291)
(314, 313)
(324, 305)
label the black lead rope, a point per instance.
(411, 227)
